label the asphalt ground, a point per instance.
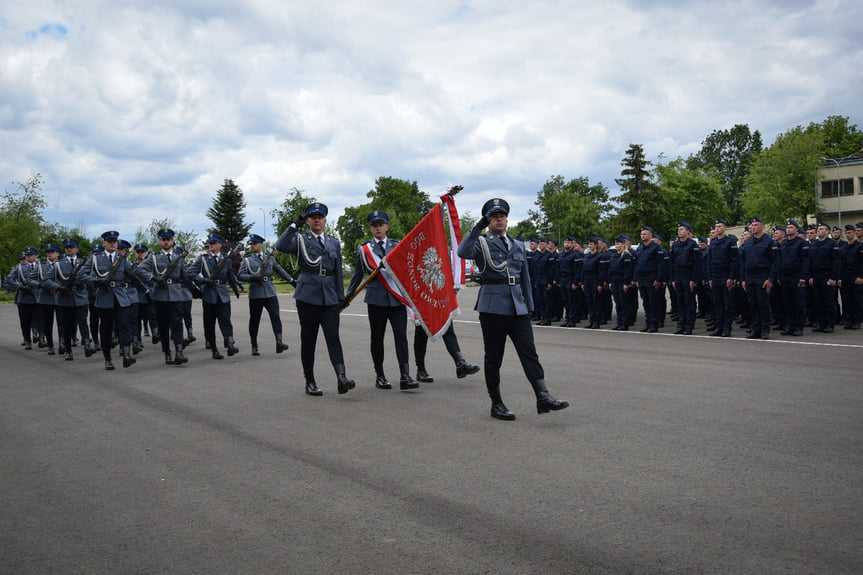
(678, 454)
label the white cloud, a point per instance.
(137, 111)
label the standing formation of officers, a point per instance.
(788, 280)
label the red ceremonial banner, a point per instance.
(420, 266)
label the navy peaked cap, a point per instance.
(379, 216)
(495, 205)
(317, 208)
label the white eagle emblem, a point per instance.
(431, 272)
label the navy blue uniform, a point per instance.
(687, 269)
(722, 270)
(759, 258)
(852, 294)
(793, 275)
(621, 269)
(650, 267)
(825, 263)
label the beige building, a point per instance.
(840, 209)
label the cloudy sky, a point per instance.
(139, 110)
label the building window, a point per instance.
(828, 188)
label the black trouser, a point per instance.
(121, 316)
(143, 317)
(46, 317)
(723, 303)
(169, 317)
(793, 301)
(71, 318)
(312, 317)
(850, 311)
(653, 301)
(187, 314)
(213, 312)
(25, 318)
(94, 323)
(256, 307)
(685, 297)
(397, 317)
(759, 304)
(495, 330)
(825, 300)
(421, 340)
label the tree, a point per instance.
(227, 214)
(691, 195)
(21, 221)
(402, 200)
(640, 197)
(730, 153)
(573, 207)
(839, 138)
(295, 203)
(783, 179)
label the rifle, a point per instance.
(219, 267)
(161, 277)
(67, 283)
(104, 283)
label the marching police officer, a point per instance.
(171, 284)
(71, 298)
(259, 270)
(24, 281)
(111, 278)
(213, 273)
(383, 306)
(320, 292)
(46, 300)
(504, 303)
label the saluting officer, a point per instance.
(504, 303)
(112, 279)
(382, 305)
(71, 298)
(167, 270)
(259, 270)
(213, 271)
(320, 292)
(24, 281)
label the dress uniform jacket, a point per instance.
(69, 293)
(722, 260)
(794, 260)
(376, 292)
(505, 288)
(250, 268)
(214, 284)
(825, 262)
(321, 280)
(154, 269)
(24, 280)
(45, 293)
(111, 284)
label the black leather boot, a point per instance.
(280, 345)
(216, 353)
(544, 401)
(405, 380)
(109, 365)
(68, 356)
(127, 356)
(178, 355)
(88, 347)
(311, 386)
(423, 375)
(137, 345)
(345, 384)
(462, 367)
(230, 345)
(381, 380)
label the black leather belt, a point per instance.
(118, 284)
(508, 280)
(325, 273)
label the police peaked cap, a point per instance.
(124, 244)
(686, 225)
(535, 240)
(141, 248)
(495, 205)
(215, 240)
(110, 235)
(593, 239)
(166, 233)
(52, 248)
(793, 223)
(255, 239)
(30, 251)
(850, 227)
(317, 208)
(70, 242)
(379, 216)
(646, 229)
(620, 239)
(552, 241)
(860, 225)
(721, 221)
(97, 248)
(569, 238)
(756, 219)
(823, 224)
(702, 240)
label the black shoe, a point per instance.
(788, 331)
(855, 325)
(544, 322)
(687, 331)
(765, 336)
(312, 389)
(726, 333)
(189, 340)
(28, 346)
(168, 359)
(345, 385)
(566, 324)
(381, 382)
(644, 330)
(109, 365)
(281, 346)
(499, 411)
(217, 354)
(156, 339)
(797, 332)
(423, 376)
(652, 330)
(464, 369)
(51, 351)
(545, 403)
(406, 383)
(680, 331)
(716, 333)
(624, 328)
(231, 347)
(128, 360)
(255, 350)
(754, 335)
(827, 330)
(68, 356)
(179, 358)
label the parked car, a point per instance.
(471, 272)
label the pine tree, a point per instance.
(227, 214)
(640, 197)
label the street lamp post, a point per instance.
(264, 213)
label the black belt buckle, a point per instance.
(510, 280)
